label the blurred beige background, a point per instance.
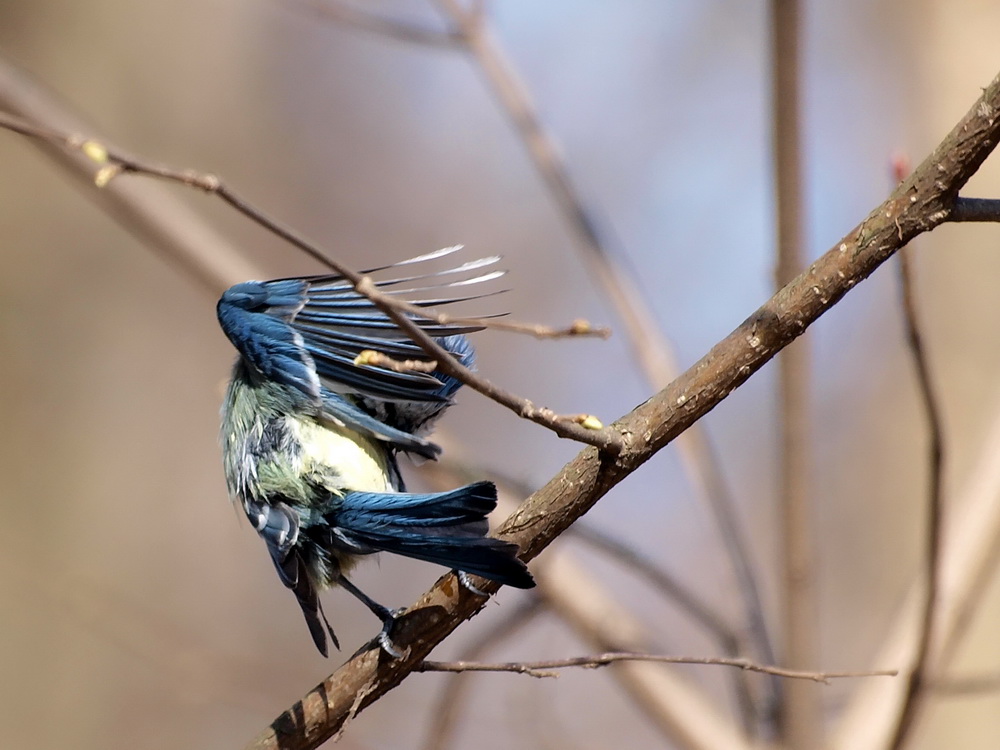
(137, 610)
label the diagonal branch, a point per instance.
(919, 204)
(113, 162)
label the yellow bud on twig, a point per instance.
(94, 151)
(106, 174)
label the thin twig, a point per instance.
(370, 358)
(398, 311)
(921, 674)
(602, 438)
(545, 668)
(450, 702)
(686, 601)
(686, 717)
(114, 162)
(976, 209)
(801, 715)
(651, 349)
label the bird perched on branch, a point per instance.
(310, 435)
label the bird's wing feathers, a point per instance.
(339, 409)
(274, 348)
(307, 332)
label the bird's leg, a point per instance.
(386, 615)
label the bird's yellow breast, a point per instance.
(341, 459)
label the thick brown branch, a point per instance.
(918, 205)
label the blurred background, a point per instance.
(137, 608)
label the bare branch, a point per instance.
(921, 674)
(577, 328)
(450, 702)
(976, 209)
(687, 601)
(919, 204)
(801, 715)
(545, 668)
(368, 357)
(108, 158)
(602, 438)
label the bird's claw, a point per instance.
(385, 638)
(466, 580)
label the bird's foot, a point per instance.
(385, 636)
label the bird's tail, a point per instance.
(447, 528)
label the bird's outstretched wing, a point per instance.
(307, 332)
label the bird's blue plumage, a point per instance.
(310, 438)
(260, 331)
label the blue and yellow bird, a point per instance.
(310, 438)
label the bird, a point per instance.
(311, 436)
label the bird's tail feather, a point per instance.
(447, 528)
(278, 526)
(308, 599)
